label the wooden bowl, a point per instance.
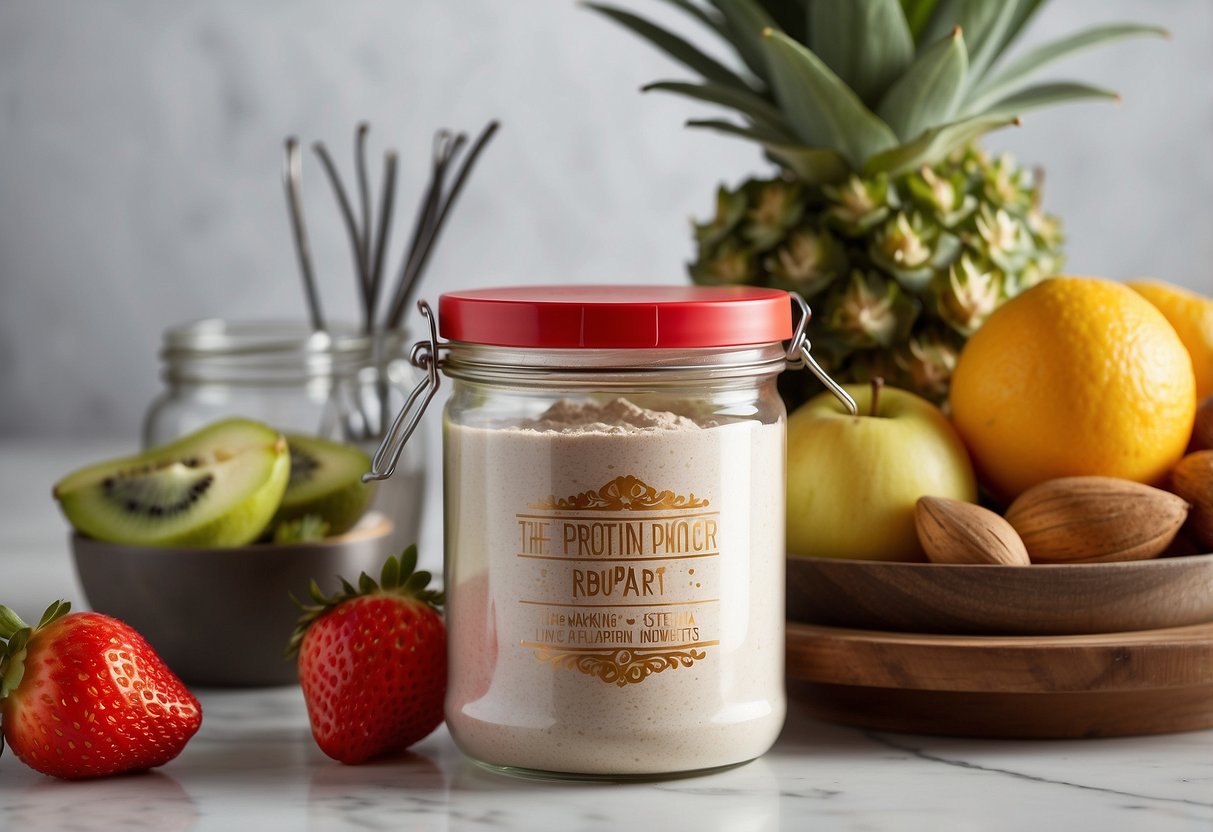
(1108, 685)
(963, 599)
(223, 616)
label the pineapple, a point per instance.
(885, 215)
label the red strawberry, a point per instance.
(372, 662)
(83, 695)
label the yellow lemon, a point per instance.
(1192, 316)
(1075, 376)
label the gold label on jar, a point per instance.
(625, 578)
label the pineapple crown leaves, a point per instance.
(834, 87)
(399, 577)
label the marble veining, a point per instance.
(921, 753)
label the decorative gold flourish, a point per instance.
(621, 667)
(626, 493)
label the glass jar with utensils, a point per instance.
(316, 377)
(338, 384)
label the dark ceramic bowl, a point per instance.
(222, 617)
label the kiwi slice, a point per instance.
(216, 487)
(326, 483)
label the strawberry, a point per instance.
(84, 695)
(372, 662)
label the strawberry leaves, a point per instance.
(16, 635)
(399, 576)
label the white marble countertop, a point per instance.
(253, 763)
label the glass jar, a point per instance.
(614, 523)
(340, 384)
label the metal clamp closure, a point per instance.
(798, 356)
(425, 355)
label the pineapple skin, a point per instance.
(898, 272)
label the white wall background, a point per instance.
(141, 141)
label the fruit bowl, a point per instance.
(222, 617)
(971, 599)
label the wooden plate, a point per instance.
(1111, 684)
(1061, 599)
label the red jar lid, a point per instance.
(616, 317)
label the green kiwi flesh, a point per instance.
(216, 487)
(326, 482)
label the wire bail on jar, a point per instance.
(798, 357)
(426, 355)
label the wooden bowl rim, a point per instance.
(1128, 565)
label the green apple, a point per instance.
(853, 480)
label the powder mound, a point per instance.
(618, 416)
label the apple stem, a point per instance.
(877, 383)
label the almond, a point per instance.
(1095, 519)
(1192, 479)
(953, 531)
